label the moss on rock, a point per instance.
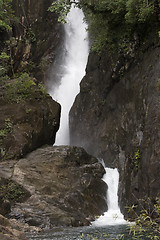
(29, 117)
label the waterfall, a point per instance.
(71, 72)
(75, 55)
(113, 216)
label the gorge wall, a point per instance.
(38, 36)
(117, 118)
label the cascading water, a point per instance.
(73, 68)
(75, 59)
(113, 216)
(71, 71)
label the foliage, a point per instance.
(138, 11)
(7, 129)
(42, 89)
(137, 156)
(62, 8)
(148, 221)
(8, 126)
(4, 56)
(4, 63)
(10, 42)
(115, 23)
(19, 89)
(30, 35)
(22, 88)
(11, 190)
(6, 15)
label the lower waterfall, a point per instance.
(113, 216)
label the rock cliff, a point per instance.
(37, 37)
(29, 118)
(64, 183)
(116, 117)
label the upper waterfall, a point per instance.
(74, 60)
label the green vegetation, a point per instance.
(22, 88)
(6, 15)
(137, 157)
(28, 110)
(30, 35)
(12, 191)
(7, 129)
(120, 24)
(7, 20)
(4, 63)
(3, 134)
(42, 89)
(147, 222)
(10, 44)
(19, 89)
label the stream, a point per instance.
(117, 232)
(83, 233)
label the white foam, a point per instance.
(113, 216)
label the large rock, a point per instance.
(8, 232)
(65, 186)
(29, 119)
(118, 120)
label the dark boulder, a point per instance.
(5, 206)
(29, 118)
(65, 186)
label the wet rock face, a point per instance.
(28, 124)
(65, 186)
(118, 120)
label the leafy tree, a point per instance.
(6, 15)
(4, 63)
(117, 22)
(7, 18)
